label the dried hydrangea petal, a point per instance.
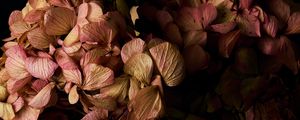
(39, 39)
(134, 88)
(96, 77)
(169, 62)
(140, 66)
(227, 42)
(293, 24)
(98, 113)
(119, 89)
(43, 97)
(28, 113)
(73, 95)
(59, 20)
(131, 48)
(42, 68)
(14, 85)
(6, 111)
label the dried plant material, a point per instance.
(246, 61)
(94, 12)
(18, 104)
(99, 114)
(223, 27)
(163, 18)
(70, 70)
(249, 25)
(28, 113)
(293, 24)
(3, 93)
(286, 50)
(132, 48)
(14, 17)
(4, 76)
(6, 111)
(72, 49)
(39, 84)
(280, 9)
(73, 95)
(134, 88)
(96, 77)
(59, 20)
(14, 85)
(269, 46)
(119, 89)
(147, 104)
(42, 68)
(133, 14)
(17, 29)
(15, 63)
(169, 62)
(195, 38)
(43, 97)
(34, 16)
(227, 42)
(158, 82)
(189, 19)
(39, 39)
(101, 32)
(72, 37)
(208, 14)
(140, 66)
(173, 34)
(101, 101)
(193, 62)
(38, 4)
(59, 3)
(271, 26)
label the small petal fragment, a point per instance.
(97, 76)
(39, 39)
(169, 62)
(43, 97)
(3, 93)
(73, 95)
(140, 66)
(42, 68)
(131, 48)
(34, 16)
(59, 20)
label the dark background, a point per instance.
(6, 7)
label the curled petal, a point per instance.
(169, 62)
(293, 24)
(14, 85)
(39, 39)
(271, 26)
(59, 20)
(131, 48)
(157, 82)
(73, 95)
(147, 104)
(140, 66)
(100, 32)
(227, 42)
(96, 77)
(15, 63)
(83, 10)
(8, 45)
(42, 68)
(43, 97)
(6, 111)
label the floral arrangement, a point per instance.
(216, 59)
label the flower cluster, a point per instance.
(74, 50)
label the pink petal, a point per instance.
(96, 77)
(15, 16)
(70, 70)
(208, 13)
(157, 82)
(43, 97)
(101, 32)
(271, 26)
(249, 25)
(223, 27)
(39, 39)
(293, 24)
(37, 4)
(93, 56)
(28, 113)
(15, 63)
(98, 113)
(34, 16)
(131, 48)
(42, 68)
(18, 104)
(59, 20)
(43, 55)
(14, 85)
(189, 19)
(38, 84)
(51, 49)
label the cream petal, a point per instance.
(4, 76)
(73, 95)
(169, 62)
(131, 48)
(72, 37)
(119, 89)
(42, 68)
(6, 111)
(96, 77)
(94, 12)
(140, 66)
(59, 20)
